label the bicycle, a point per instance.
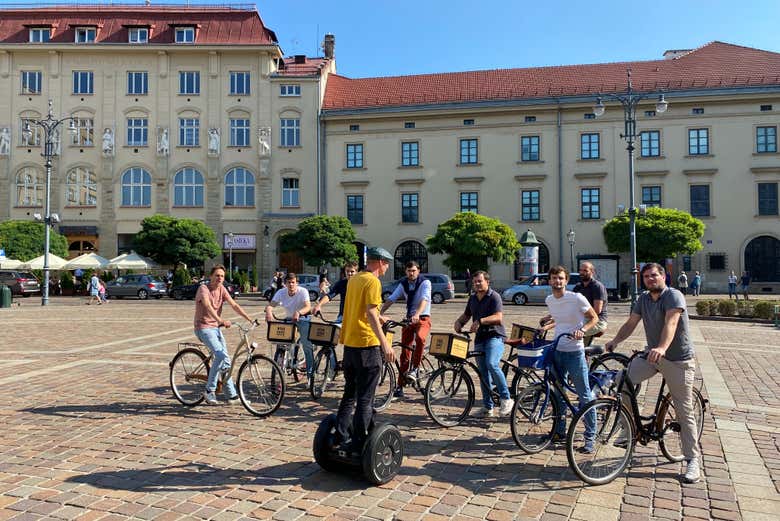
(282, 335)
(326, 362)
(259, 382)
(619, 429)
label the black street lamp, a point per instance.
(571, 236)
(629, 101)
(230, 254)
(50, 148)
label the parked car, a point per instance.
(311, 283)
(442, 288)
(140, 285)
(21, 282)
(187, 291)
(534, 289)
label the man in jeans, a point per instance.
(486, 312)
(364, 345)
(664, 315)
(416, 289)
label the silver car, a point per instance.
(534, 289)
(442, 288)
(136, 285)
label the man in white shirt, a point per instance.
(295, 300)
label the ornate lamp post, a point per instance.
(629, 101)
(230, 253)
(50, 148)
(571, 236)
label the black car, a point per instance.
(188, 291)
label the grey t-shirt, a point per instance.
(653, 313)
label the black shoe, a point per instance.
(398, 393)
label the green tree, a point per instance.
(661, 233)
(469, 240)
(23, 240)
(169, 240)
(321, 240)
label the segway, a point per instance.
(379, 461)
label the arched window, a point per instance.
(188, 188)
(408, 251)
(29, 187)
(136, 187)
(81, 187)
(239, 187)
(762, 259)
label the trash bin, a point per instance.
(624, 290)
(5, 296)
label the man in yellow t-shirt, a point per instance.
(364, 346)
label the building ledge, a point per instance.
(412, 181)
(651, 173)
(701, 171)
(355, 183)
(470, 179)
(766, 169)
(591, 175)
(530, 177)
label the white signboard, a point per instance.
(240, 242)
(606, 271)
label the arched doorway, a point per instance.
(544, 261)
(80, 247)
(288, 261)
(762, 259)
(409, 251)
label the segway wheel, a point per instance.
(383, 454)
(324, 440)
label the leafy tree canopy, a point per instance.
(321, 240)
(23, 240)
(169, 240)
(660, 234)
(469, 239)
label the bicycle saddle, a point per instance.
(594, 350)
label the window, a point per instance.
(697, 110)
(410, 153)
(468, 122)
(409, 124)
(29, 187)
(137, 132)
(469, 202)
(136, 187)
(189, 82)
(589, 146)
(189, 132)
(529, 148)
(649, 113)
(34, 138)
(530, 205)
(468, 151)
(767, 199)
(765, 108)
(410, 209)
(650, 143)
(239, 83)
(717, 261)
(291, 192)
(651, 196)
(591, 206)
(31, 82)
(766, 140)
(138, 82)
(355, 209)
(85, 34)
(686, 262)
(239, 132)
(239, 188)
(81, 187)
(290, 132)
(82, 82)
(290, 90)
(355, 155)
(85, 132)
(185, 34)
(40, 34)
(698, 141)
(138, 35)
(589, 115)
(530, 119)
(188, 188)
(700, 200)
(354, 128)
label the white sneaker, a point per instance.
(483, 412)
(210, 398)
(505, 406)
(692, 471)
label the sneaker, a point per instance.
(484, 412)
(233, 399)
(210, 398)
(411, 376)
(692, 471)
(398, 393)
(505, 406)
(587, 448)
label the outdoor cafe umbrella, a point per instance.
(55, 263)
(10, 264)
(131, 261)
(88, 261)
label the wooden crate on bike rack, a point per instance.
(449, 345)
(324, 334)
(527, 333)
(281, 332)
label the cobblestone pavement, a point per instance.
(91, 431)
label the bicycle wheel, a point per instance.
(612, 442)
(449, 396)
(671, 442)
(425, 371)
(260, 385)
(533, 419)
(385, 387)
(189, 372)
(609, 362)
(323, 372)
(523, 378)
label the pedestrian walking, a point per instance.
(682, 283)
(94, 289)
(745, 281)
(733, 286)
(696, 284)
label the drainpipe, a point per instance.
(319, 149)
(559, 124)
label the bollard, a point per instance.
(777, 316)
(5, 296)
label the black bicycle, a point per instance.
(326, 362)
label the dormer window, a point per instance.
(185, 35)
(40, 34)
(138, 35)
(85, 34)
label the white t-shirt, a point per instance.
(294, 303)
(569, 315)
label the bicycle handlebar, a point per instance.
(392, 324)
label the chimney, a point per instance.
(329, 46)
(673, 54)
(300, 59)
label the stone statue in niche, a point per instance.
(55, 142)
(5, 141)
(163, 146)
(214, 141)
(108, 142)
(264, 139)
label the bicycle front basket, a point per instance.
(536, 354)
(449, 345)
(281, 332)
(324, 334)
(527, 333)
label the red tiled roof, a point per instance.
(715, 65)
(214, 25)
(310, 66)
